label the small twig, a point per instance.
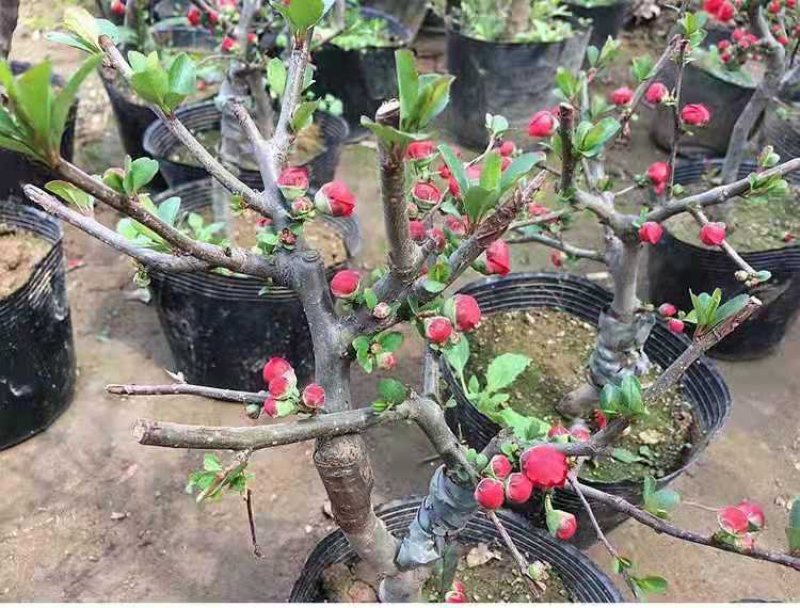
(522, 563)
(560, 245)
(248, 499)
(209, 392)
(677, 128)
(542, 219)
(702, 220)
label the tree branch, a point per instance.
(676, 120)
(9, 11)
(571, 250)
(568, 161)
(209, 392)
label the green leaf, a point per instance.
(370, 299)
(151, 83)
(169, 209)
(211, 463)
(650, 584)
(390, 135)
(71, 194)
(731, 307)
(140, 173)
(478, 200)
(496, 124)
(503, 370)
(626, 456)
(33, 103)
(591, 144)
(80, 22)
(620, 564)
(301, 14)
(642, 67)
(71, 40)
(567, 83)
(456, 167)
(457, 355)
(610, 398)
(407, 84)
(65, 98)
(304, 115)
(182, 79)
(391, 341)
(525, 428)
(631, 393)
(434, 95)
(793, 530)
(518, 168)
(490, 173)
(276, 76)
(392, 391)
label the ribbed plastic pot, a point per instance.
(160, 144)
(37, 366)
(703, 386)
(411, 13)
(783, 133)
(167, 9)
(221, 329)
(585, 582)
(724, 99)
(512, 79)
(363, 79)
(17, 169)
(133, 116)
(675, 267)
(607, 18)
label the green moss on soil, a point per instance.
(753, 225)
(559, 345)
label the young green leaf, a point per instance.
(392, 391)
(407, 84)
(503, 370)
(456, 167)
(276, 76)
(71, 194)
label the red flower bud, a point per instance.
(599, 419)
(288, 238)
(557, 258)
(725, 12)
(345, 283)
(438, 237)
(455, 225)
(507, 148)
(754, 513)
(518, 488)
(667, 310)
(453, 187)
(536, 210)
(500, 466)
(557, 430)
(561, 524)
(213, 17)
(498, 258)
(723, 44)
(280, 387)
(293, 182)
(712, 6)
(313, 396)
(490, 494)
(457, 594)
(228, 44)
(545, 466)
(463, 310)
(713, 233)
(276, 367)
(542, 124)
(270, 408)
(438, 330)
(774, 7)
(695, 114)
(118, 7)
(733, 520)
(426, 194)
(650, 232)
(676, 326)
(580, 432)
(301, 206)
(656, 93)
(621, 96)
(335, 198)
(658, 173)
(420, 150)
(416, 230)
(386, 361)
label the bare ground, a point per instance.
(88, 515)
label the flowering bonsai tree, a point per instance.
(353, 317)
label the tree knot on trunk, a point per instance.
(620, 347)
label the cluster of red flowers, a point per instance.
(721, 10)
(334, 198)
(284, 399)
(461, 313)
(739, 523)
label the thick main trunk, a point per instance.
(9, 12)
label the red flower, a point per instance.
(723, 44)
(733, 520)
(507, 148)
(621, 96)
(438, 330)
(420, 150)
(676, 326)
(280, 387)
(713, 233)
(545, 466)
(276, 367)
(580, 432)
(518, 488)
(416, 230)
(251, 37)
(656, 93)
(725, 12)
(712, 6)
(426, 194)
(774, 7)
(335, 198)
(228, 44)
(535, 209)
(270, 407)
(600, 419)
(474, 172)
(557, 258)
(650, 232)
(456, 595)
(438, 237)
(500, 466)
(313, 396)
(386, 361)
(542, 124)
(561, 524)
(293, 182)
(667, 310)
(754, 513)
(455, 225)
(658, 173)
(345, 283)
(498, 258)
(490, 494)
(213, 17)
(557, 430)
(464, 311)
(695, 114)
(453, 187)
(118, 7)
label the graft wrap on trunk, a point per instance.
(447, 509)
(620, 347)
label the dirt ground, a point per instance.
(88, 515)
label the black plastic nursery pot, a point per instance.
(37, 366)
(161, 144)
(585, 582)
(726, 101)
(607, 18)
(17, 169)
(675, 267)
(363, 79)
(782, 129)
(222, 329)
(133, 116)
(411, 13)
(511, 79)
(703, 386)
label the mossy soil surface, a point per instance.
(487, 571)
(20, 252)
(559, 345)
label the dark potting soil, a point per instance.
(308, 145)
(487, 572)
(559, 345)
(20, 252)
(753, 225)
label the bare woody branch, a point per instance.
(720, 194)
(560, 245)
(702, 220)
(677, 128)
(568, 161)
(148, 258)
(664, 527)
(209, 392)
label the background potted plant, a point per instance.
(607, 17)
